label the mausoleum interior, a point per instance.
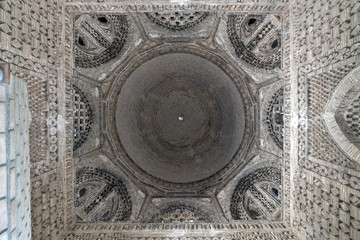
(180, 120)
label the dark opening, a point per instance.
(275, 44)
(82, 192)
(254, 214)
(252, 21)
(81, 41)
(275, 192)
(279, 118)
(102, 19)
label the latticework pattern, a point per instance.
(179, 20)
(101, 196)
(108, 36)
(252, 202)
(321, 144)
(275, 118)
(352, 117)
(256, 39)
(82, 117)
(180, 213)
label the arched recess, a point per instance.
(82, 117)
(342, 115)
(256, 39)
(181, 213)
(275, 118)
(101, 196)
(98, 38)
(257, 196)
(177, 20)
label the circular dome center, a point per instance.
(181, 103)
(180, 118)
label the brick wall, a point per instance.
(326, 49)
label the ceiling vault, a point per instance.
(181, 120)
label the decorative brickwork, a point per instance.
(175, 48)
(352, 116)
(101, 196)
(317, 130)
(275, 118)
(180, 213)
(177, 20)
(256, 39)
(311, 46)
(342, 115)
(98, 38)
(82, 116)
(264, 236)
(184, 231)
(257, 196)
(339, 209)
(30, 42)
(327, 179)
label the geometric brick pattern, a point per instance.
(180, 213)
(82, 117)
(327, 182)
(325, 33)
(264, 204)
(256, 39)
(179, 20)
(326, 149)
(29, 41)
(99, 38)
(352, 117)
(275, 117)
(101, 196)
(329, 210)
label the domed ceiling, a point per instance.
(177, 122)
(182, 125)
(180, 122)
